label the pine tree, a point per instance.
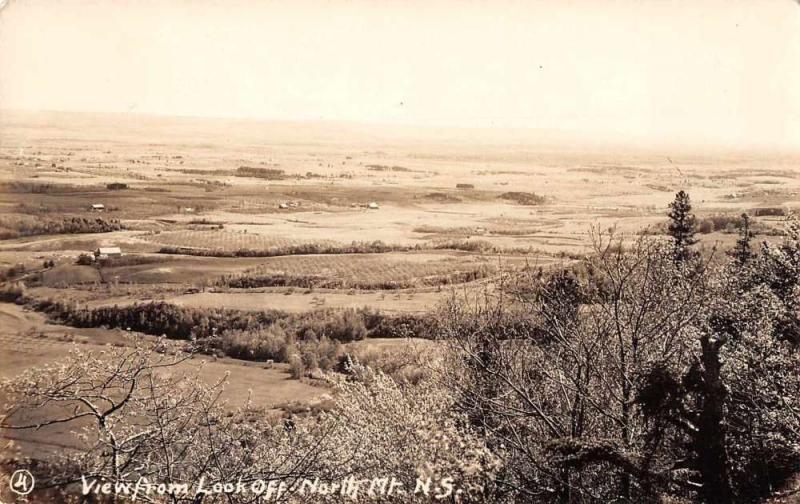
(742, 252)
(682, 226)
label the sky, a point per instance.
(722, 73)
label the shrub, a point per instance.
(85, 260)
(769, 211)
(11, 293)
(260, 344)
(441, 197)
(722, 223)
(524, 198)
(340, 325)
(309, 360)
(296, 368)
(705, 226)
(13, 272)
(403, 326)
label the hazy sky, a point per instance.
(724, 72)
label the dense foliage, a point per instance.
(638, 375)
(312, 338)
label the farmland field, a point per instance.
(446, 212)
(220, 240)
(370, 231)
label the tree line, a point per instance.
(16, 227)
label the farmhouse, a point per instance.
(107, 252)
(97, 207)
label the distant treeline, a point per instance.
(277, 279)
(55, 188)
(262, 173)
(19, 225)
(298, 249)
(729, 224)
(768, 212)
(377, 167)
(44, 188)
(376, 247)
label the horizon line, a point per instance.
(558, 137)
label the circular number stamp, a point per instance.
(22, 482)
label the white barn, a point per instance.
(106, 252)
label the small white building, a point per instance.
(97, 207)
(108, 252)
(372, 205)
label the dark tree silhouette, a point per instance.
(742, 252)
(682, 226)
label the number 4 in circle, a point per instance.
(22, 482)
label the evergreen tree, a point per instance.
(742, 252)
(682, 226)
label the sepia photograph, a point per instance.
(400, 251)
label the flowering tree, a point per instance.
(142, 417)
(410, 432)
